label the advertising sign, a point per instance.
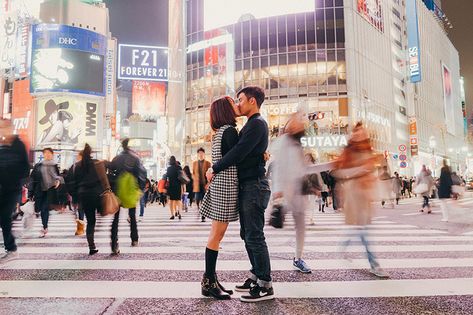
(372, 11)
(332, 141)
(413, 135)
(149, 98)
(22, 42)
(8, 31)
(67, 59)
(22, 112)
(68, 121)
(414, 66)
(110, 84)
(146, 63)
(448, 99)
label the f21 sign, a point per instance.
(145, 63)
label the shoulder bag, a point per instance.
(110, 203)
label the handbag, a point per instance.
(110, 203)
(421, 188)
(277, 217)
(183, 178)
(310, 184)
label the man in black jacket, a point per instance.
(14, 168)
(126, 161)
(248, 155)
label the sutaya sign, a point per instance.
(329, 141)
(146, 63)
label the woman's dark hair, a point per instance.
(222, 113)
(187, 170)
(86, 156)
(172, 160)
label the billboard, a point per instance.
(8, 32)
(218, 13)
(146, 63)
(413, 141)
(149, 98)
(413, 61)
(68, 121)
(22, 112)
(448, 106)
(67, 59)
(372, 12)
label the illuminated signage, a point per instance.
(67, 59)
(328, 141)
(146, 63)
(372, 12)
(413, 61)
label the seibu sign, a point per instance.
(328, 141)
(145, 63)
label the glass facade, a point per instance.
(297, 58)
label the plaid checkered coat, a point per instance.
(221, 200)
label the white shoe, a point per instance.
(8, 256)
(378, 272)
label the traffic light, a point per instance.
(316, 115)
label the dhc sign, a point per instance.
(413, 61)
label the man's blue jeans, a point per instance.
(254, 198)
(142, 205)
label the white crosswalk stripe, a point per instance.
(170, 250)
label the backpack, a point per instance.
(128, 190)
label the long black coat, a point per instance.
(445, 184)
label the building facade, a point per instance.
(346, 59)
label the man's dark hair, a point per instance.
(125, 144)
(201, 150)
(48, 149)
(253, 91)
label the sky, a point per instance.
(459, 12)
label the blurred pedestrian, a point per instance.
(386, 186)
(445, 189)
(397, 186)
(220, 203)
(88, 188)
(254, 193)
(45, 180)
(71, 187)
(126, 161)
(189, 188)
(144, 199)
(289, 170)
(424, 184)
(199, 169)
(174, 189)
(356, 167)
(14, 169)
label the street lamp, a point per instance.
(432, 145)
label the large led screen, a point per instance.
(218, 13)
(67, 59)
(57, 69)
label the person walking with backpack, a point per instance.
(45, 180)
(88, 190)
(125, 166)
(14, 169)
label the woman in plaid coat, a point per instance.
(221, 200)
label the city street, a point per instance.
(429, 263)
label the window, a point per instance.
(282, 34)
(272, 31)
(300, 25)
(310, 28)
(263, 39)
(246, 39)
(291, 32)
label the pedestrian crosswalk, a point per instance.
(169, 261)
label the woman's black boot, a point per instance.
(211, 288)
(230, 292)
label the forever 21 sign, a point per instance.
(146, 63)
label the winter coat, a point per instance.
(445, 184)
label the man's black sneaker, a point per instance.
(245, 287)
(258, 294)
